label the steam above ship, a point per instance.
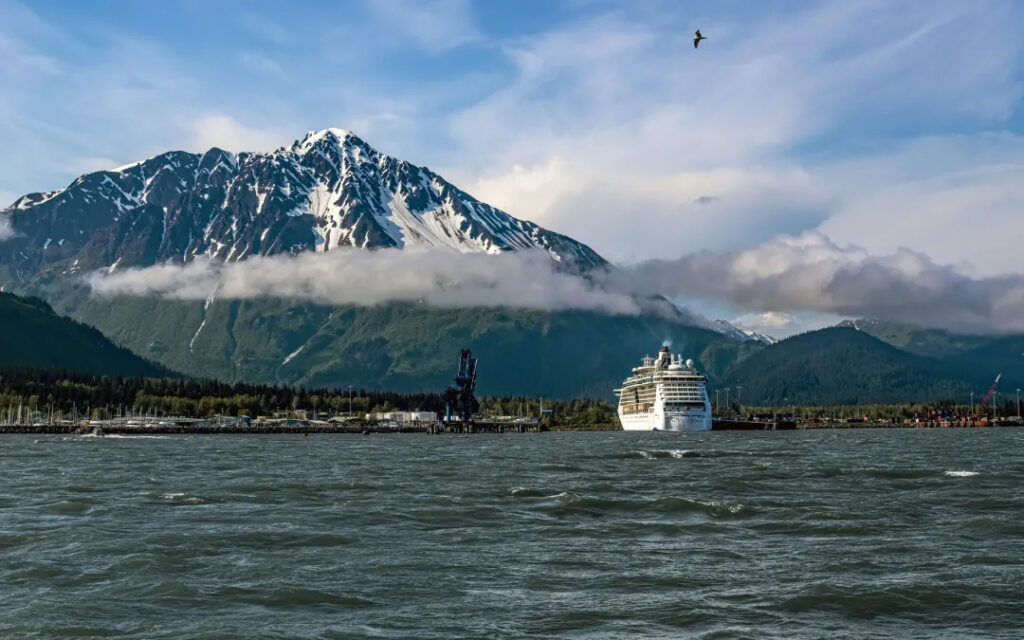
(664, 394)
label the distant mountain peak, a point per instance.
(328, 189)
(331, 135)
(743, 335)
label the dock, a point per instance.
(187, 426)
(439, 428)
(722, 424)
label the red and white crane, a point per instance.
(983, 406)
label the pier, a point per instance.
(721, 424)
(187, 426)
(439, 428)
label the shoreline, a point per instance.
(454, 429)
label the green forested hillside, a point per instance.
(842, 365)
(32, 335)
(400, 347)
(923, 341)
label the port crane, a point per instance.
(983, 405)
(460, 400)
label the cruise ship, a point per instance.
(664, 394)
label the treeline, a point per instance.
(576, 412)
(943, 409)
(65, 393)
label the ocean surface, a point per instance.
(821, 534)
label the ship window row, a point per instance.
(635, 409)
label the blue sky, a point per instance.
(879, 125)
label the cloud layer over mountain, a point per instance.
(811, 272)
(441, 278)
(789, 273)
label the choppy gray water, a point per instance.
(854, 534)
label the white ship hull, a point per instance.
(697, 419)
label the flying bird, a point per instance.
(697, 38)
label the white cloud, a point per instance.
(788, 283)
(957, 198)
(262, 64)
(435, 25)
(631, 216)
(810, 272)
(229, 134)
(782, 324)
(88, 164)
(6, 232)
(438, 278)
(769, 322)
(614, 126)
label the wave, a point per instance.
(658, 454)
(661, 454)
(961, 474)
(900, 473)
(287, 597)
(177, 498)
(123, 436)
(525, 492)
(71, 507)
(567, 502)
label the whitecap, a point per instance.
(961, 474)
(564, 496)
(715, 505)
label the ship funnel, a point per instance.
(664, 357)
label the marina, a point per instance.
(227, 425)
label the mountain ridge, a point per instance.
(848, 365)
(329, 189)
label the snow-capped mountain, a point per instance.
(743, 335)
(328, 190)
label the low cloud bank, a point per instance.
(6, 230)
(527, 280)
(808, 272)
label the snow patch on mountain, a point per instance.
(743, 335)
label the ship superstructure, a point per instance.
(664, 394)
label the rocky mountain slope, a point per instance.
(327, 190)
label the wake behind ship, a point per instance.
(664, 394)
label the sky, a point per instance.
(879, 129)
